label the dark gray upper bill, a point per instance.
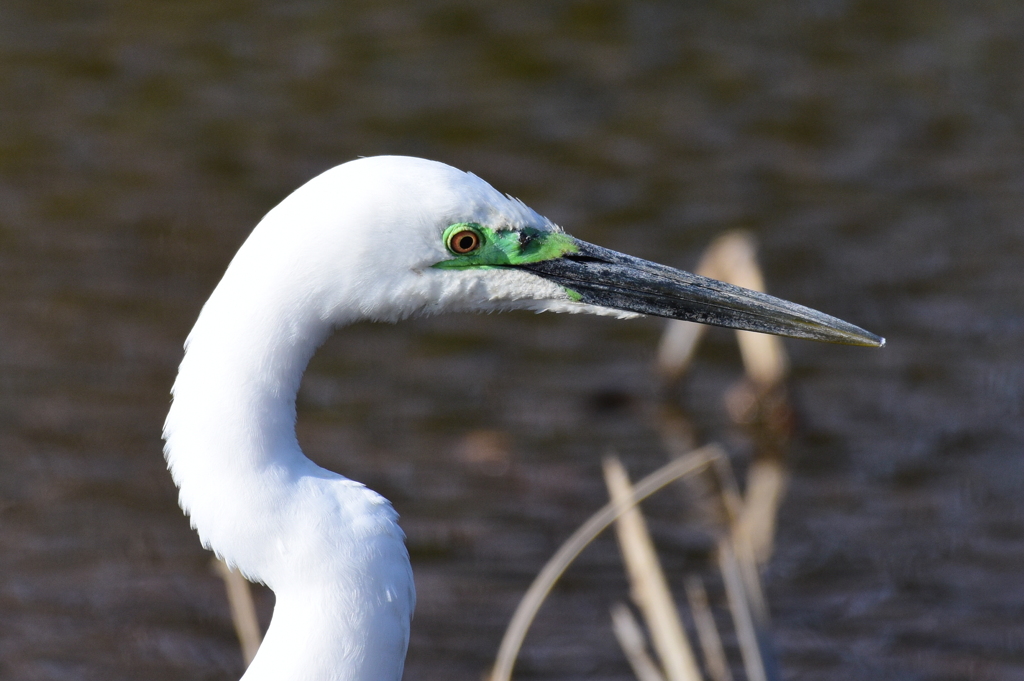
(611, 279)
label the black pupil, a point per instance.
(466, 242)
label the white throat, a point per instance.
(329, 547)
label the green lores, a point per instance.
(502, 248)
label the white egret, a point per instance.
(379, 238)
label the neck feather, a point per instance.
(230, 433)
(330, 548)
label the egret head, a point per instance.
(399, 236)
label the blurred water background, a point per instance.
(873, 147)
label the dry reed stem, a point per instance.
(766, 486)
(752, 587)
(739, 606)
(750, 519)
(633, 643)
(243, 609)
(736, 509)
(597, 523)
(733, 509)
(743, 523)
(707, 630)
(731, 258)
(728, 490)
(676, 348)
(648, 586)
(743, 581)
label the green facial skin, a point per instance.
(506, 248)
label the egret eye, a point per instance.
(464, 241)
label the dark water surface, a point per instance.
(874, 148)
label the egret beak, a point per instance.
(602, 277)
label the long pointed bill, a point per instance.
(609, 279)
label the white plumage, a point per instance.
(360, 241)
(355, 243)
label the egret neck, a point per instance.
(379, 239)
